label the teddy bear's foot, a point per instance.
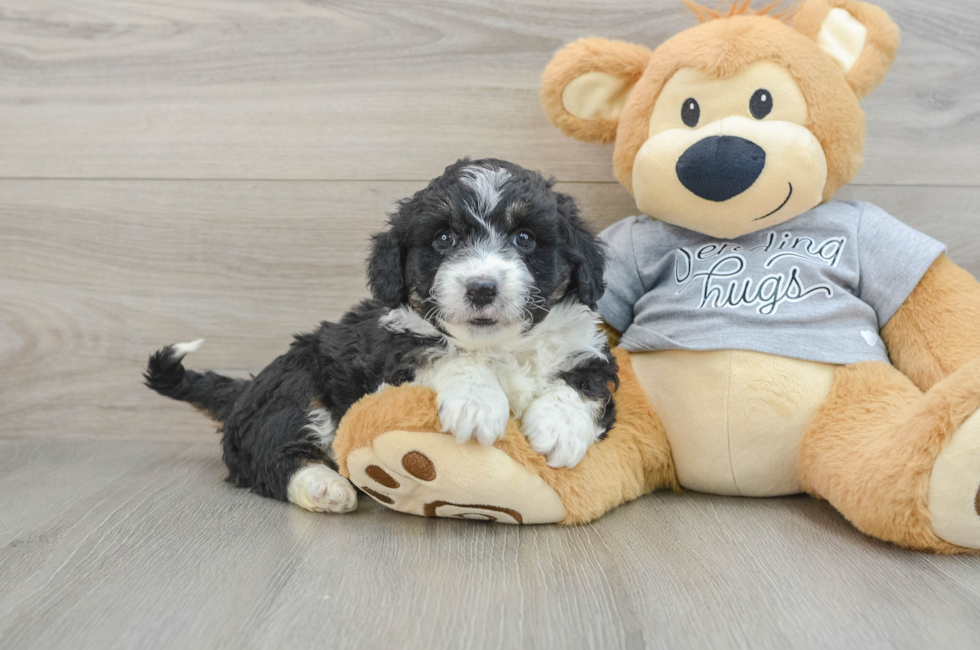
(320, 489)
(431, 474)
(954, 487)
(900, 464)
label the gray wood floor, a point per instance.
(213, 168)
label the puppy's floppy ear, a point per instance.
(585, 253)
(386, 269)
(858, 36)
(586, 85)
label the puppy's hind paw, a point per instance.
(320, 489)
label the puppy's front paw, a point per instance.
(561, 425)
(470, 411)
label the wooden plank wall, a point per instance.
(213, 168)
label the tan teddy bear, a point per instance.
(773, 341)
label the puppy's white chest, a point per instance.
(524, 367)
(519, 377)
(522, 380)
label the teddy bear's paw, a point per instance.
(561, 425)
(432, 475)
(320, 489)
(469, 412)
(954, 487)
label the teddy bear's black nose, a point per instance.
(720, 167)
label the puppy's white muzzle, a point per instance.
(483, 293)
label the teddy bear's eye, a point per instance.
(691, 112)
(761, 103)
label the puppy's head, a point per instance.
(484, 252)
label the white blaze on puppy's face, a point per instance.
(487, 258)
(488, 185)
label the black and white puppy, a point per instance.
(485, 285)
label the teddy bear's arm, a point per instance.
(937, 328)
(390, 446)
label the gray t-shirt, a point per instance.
(818, 287)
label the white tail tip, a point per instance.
(181, 350)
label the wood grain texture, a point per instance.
(98, 274)
(140, 545)
(386, 89)
(230, 160)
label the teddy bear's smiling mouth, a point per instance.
(781, 205)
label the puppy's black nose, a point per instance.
(721, 167)
(481, 292)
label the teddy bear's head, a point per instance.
(737, 124)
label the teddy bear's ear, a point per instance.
(859, 37)
(585, 86)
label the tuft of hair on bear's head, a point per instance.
(742, 8)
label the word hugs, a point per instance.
(763, 276)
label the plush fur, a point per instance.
(895, 448)
(879, 51)
(739, 8)
(937, 330)
(872, 446)
(722, 47)
(484, 285)
(617, 58)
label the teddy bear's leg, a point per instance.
(900, 464)
(634, 458)
(390, 445)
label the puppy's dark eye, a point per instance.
(691, 112)
(524, 240)
(444, 242)
(761, 103)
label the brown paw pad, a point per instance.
(377, 496)
(381, 477)
(418, 465)
(414, 462)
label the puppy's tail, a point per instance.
(209, 392)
